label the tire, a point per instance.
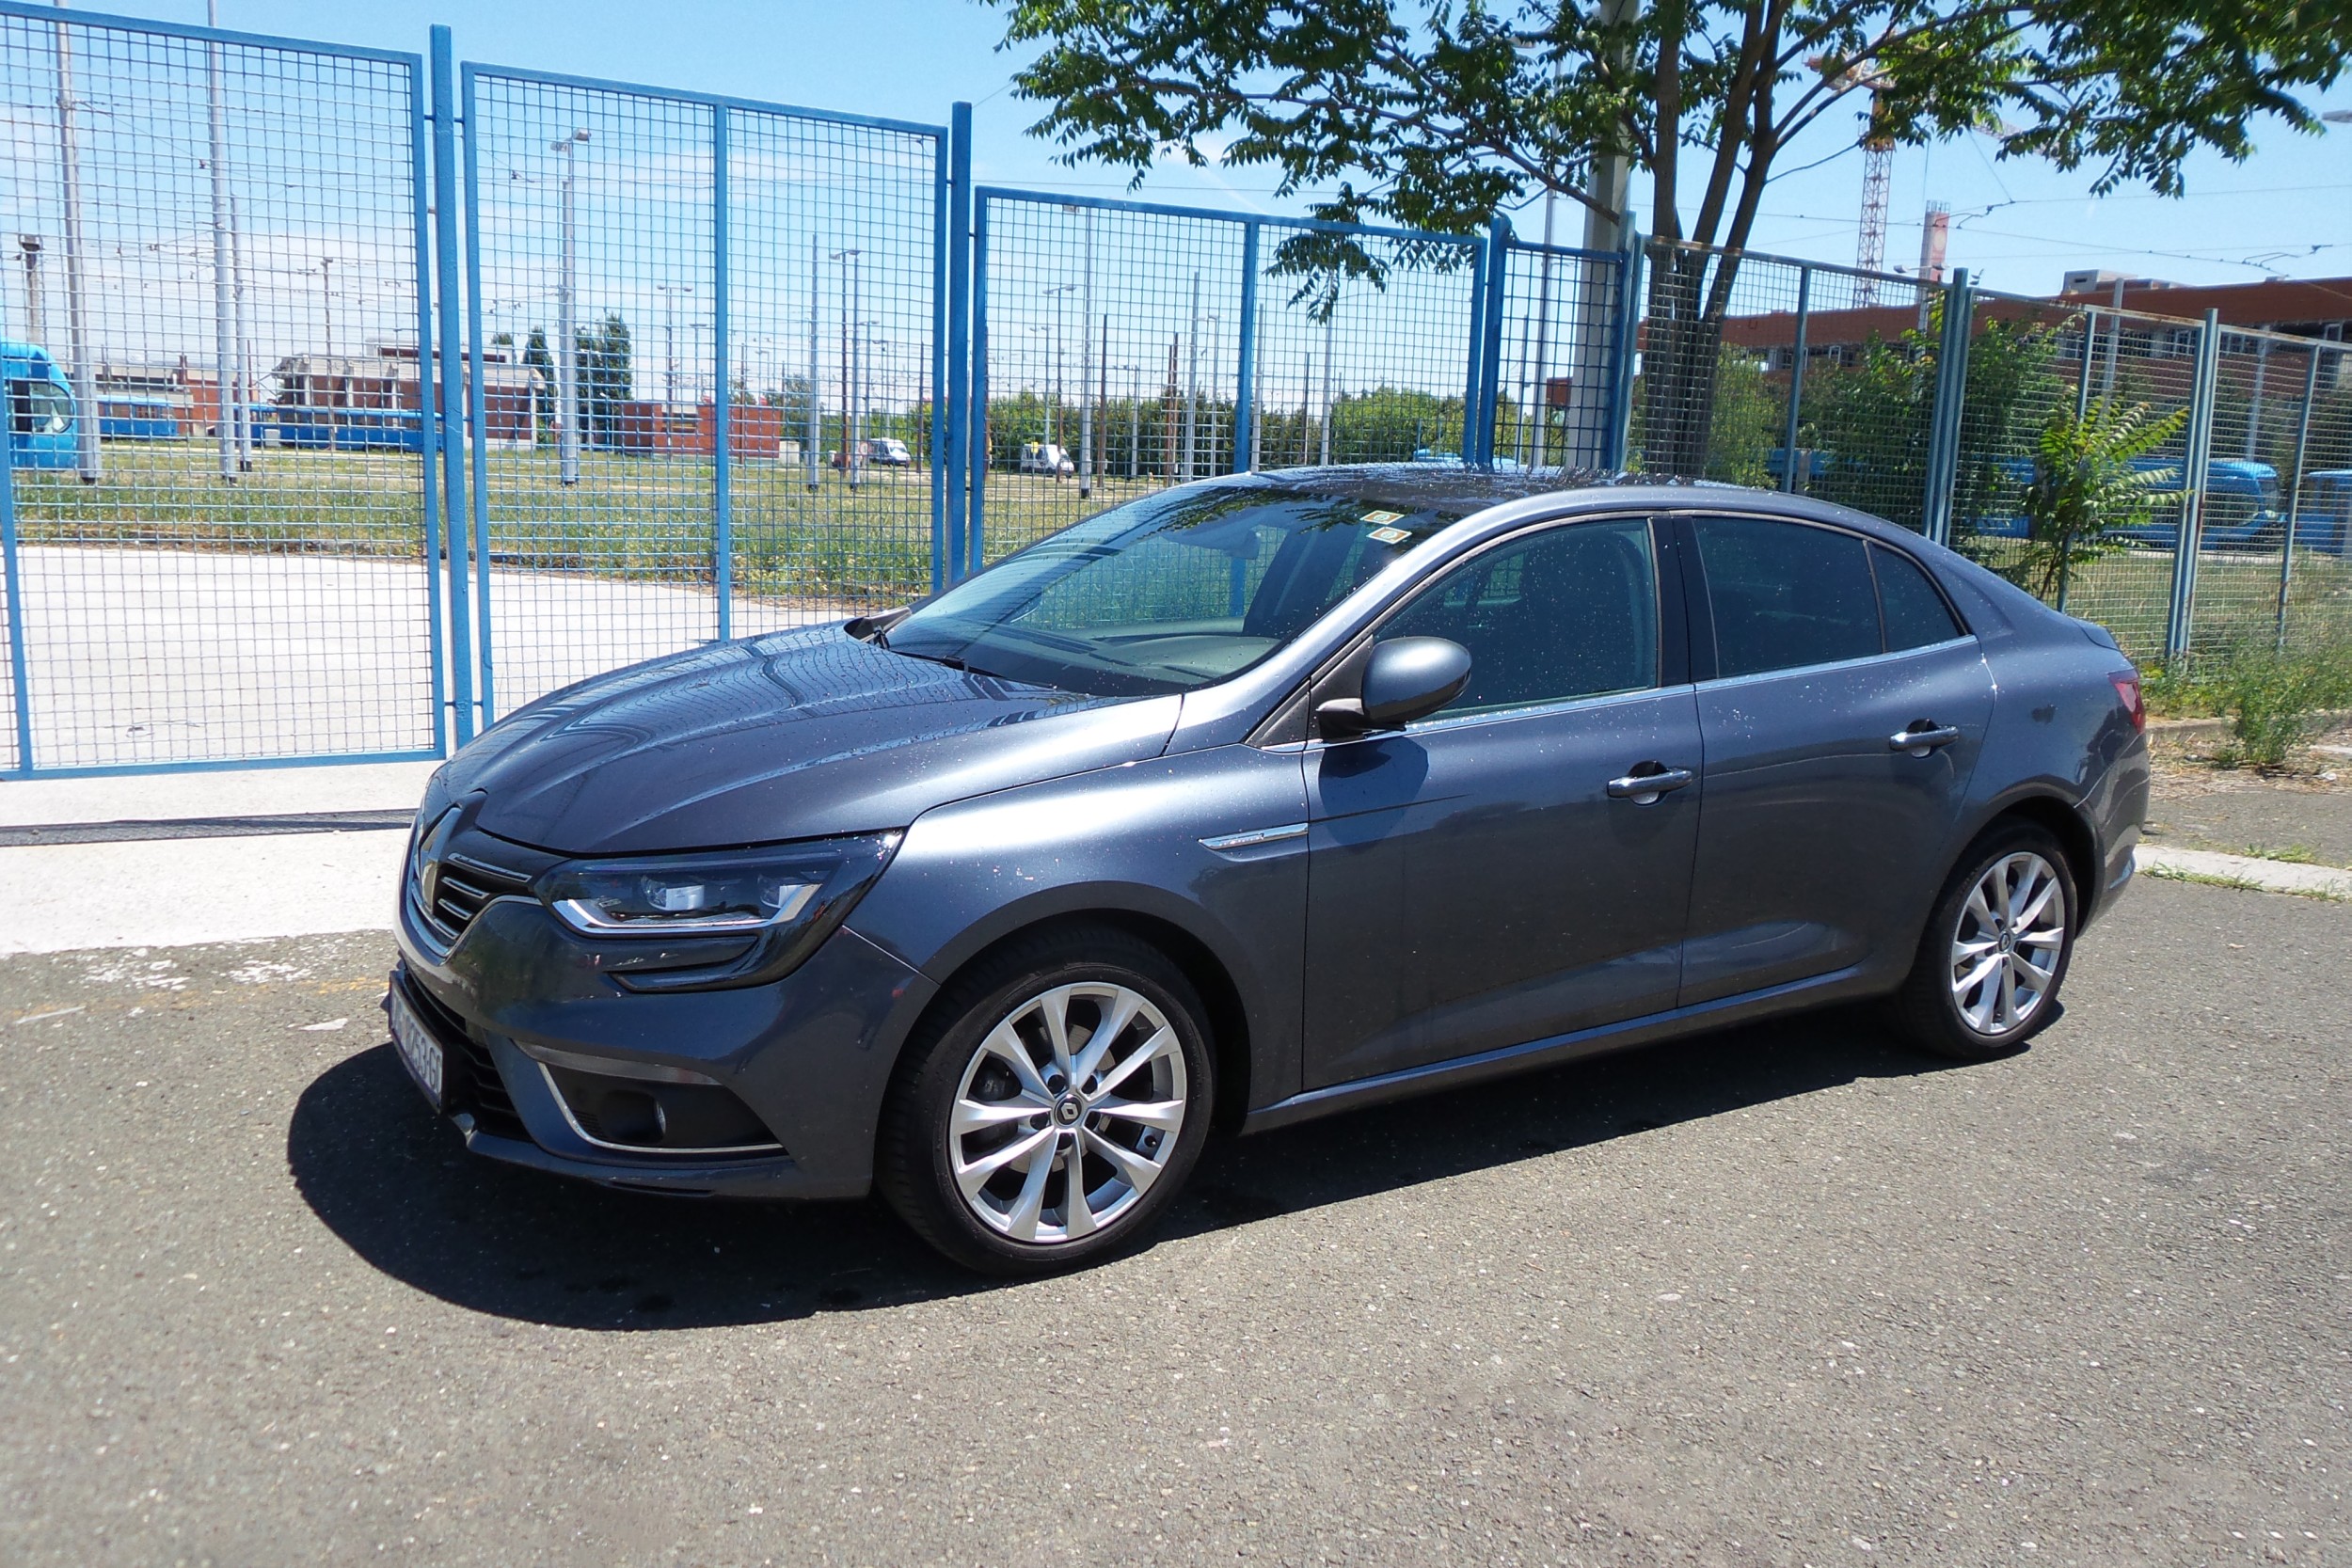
(981, 1117)
(1938, 1009)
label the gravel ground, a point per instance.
(1782, 1295)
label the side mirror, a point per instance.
(1408, 679)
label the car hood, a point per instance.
(796, 736)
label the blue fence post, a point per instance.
(1627, 351)
(966, 559)
(1476, 379)
(14, 582)
(947, 541)
(1490, 347)
(2190, 534)
(435, 425)
(483, 667)
(722, 500)
(1789, 465)
(1951, 392)
(1245, 400)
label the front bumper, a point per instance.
(809, 1054)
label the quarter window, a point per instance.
(1570, 612)
(1785, 595)
(1916, 614)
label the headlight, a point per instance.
(742, 892)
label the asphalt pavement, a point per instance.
(1780, 1295)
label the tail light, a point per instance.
(2127, 687)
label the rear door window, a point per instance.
(1786, 594)
(1916, 613)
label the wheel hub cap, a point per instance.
(2007, 944)
(1068, 1112)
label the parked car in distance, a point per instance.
(1045, 457)
(2323, 519)
(1251, 800)
(888, 452)
(2243, 505)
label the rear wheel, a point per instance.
(1052, 1109)
(1996, 949)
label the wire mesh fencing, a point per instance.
(222, 538)
(651, 270)
(1556, 393)
(2055, 387)
(1124, 347)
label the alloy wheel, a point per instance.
(1067, 1113)
(2006, 950)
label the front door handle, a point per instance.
(1644, 789)
(1922, 740)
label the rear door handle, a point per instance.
(1645, 788)
(1920, 742)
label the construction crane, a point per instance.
(1878, 168)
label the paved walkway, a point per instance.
(138, 656)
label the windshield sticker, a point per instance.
(1388, 536)
(1384, 517)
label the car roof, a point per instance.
(1509, 494)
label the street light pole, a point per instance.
(849, 367)
(669, 341)
(85, 376)
(567, 327)
(1192, 384)
(226, 371)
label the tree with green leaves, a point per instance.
(1438, 113)
(2088, 481)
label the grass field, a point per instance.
(649, 519)
(635, 516)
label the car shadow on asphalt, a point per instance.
(396, 1184)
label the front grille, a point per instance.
(475, 1085)
(465, 886)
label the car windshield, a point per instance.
(1166, 592)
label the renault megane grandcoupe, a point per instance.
(1251, 800)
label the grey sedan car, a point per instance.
(1253, 800)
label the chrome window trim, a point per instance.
(1717, 682)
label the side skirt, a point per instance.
(1554, 1050)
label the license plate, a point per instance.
(417, 1049)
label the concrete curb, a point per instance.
(2311, 881)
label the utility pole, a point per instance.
(851, 389)
(815, 415)
(1085, 367)
(669, 339)
(30, 244)
(247, 353)
(85, 376)
(1324, 458)
(567, 324)
(1608, 228)
(1192, 382)
(227, 371)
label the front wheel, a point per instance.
(1053, 1106)
(1996, 949)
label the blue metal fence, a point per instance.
(1122, 347)
(707, 338)
(225, 233)
(730, 366)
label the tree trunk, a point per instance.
(1682, 342)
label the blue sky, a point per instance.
(2286, 212)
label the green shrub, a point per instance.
(2277, 702)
